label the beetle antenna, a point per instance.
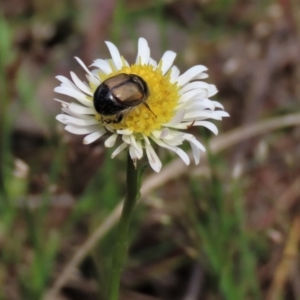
(150, 109)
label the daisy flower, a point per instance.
(173, 104)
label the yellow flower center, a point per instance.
(162, 100)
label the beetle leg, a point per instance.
(149, 109)
(119, 118)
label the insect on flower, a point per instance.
(118, 94)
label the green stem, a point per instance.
(120, 248)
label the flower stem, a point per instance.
(120, 248)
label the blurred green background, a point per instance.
(226, 229)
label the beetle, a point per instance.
(118, 94)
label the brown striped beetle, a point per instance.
(118, 94)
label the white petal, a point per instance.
(80, 84)
(199, 104)
(190, 138)
(81, 130)
(188, 95)
(187, 104)
(201, 76)
(212, 90)
(174, 74)
(194, 85)
(134, 154)
(196, 147)
(74, 94)
(182, 155)
(65, 108)
(79, 109)
(222, 113)
(125, 62)
(217, 104)
(68, 120)
(110, 142)
(103, 65)
(212, 127)
(140, 148)
(137, 146)
(126, 139)
(205, 114)
(175, 138)
(92, 78)
(146, 139)
(95, 72)
(190, 74)
(61, 101)
(143, 55)
(153, 159)
(196, 153)
(152, 62)
(115, 55)
(177, 150)
(93, 136)
(119, 149)
(66, 82)
(202, 93)
(177, 118)
(156, 133)
(165, 132)
(167, 61)
(124, 131)
(181, 125)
